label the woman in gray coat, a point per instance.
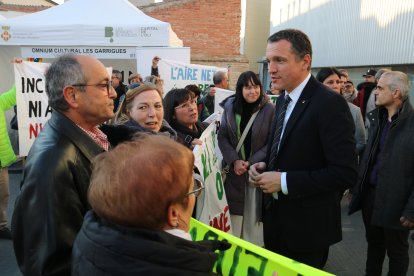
(245, 200)
(331, 78)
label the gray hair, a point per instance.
(219, 77)
(398, 80)
(64, 71)
(380, 72)
(117, 74)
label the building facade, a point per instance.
(353, 34)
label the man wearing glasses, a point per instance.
(53, 199)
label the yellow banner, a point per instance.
(244, 258)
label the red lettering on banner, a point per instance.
(221, 221)
(34, 130)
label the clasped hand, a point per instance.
(240, 166)
(407, 223)
(268, 182)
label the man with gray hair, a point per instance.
(220, 80)
(53, 199)
(385, 189)
(371, 100)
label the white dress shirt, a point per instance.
(294, 95)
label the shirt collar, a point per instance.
(98, 136)
(295, 94)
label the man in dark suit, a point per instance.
(311, 157)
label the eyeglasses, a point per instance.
(198, 185)
(107, 85)
(187, 105)
(347, 86)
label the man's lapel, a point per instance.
(299, 108)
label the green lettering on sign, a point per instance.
(204, 159)
(235, 263)
(219, 185)
(263, 262)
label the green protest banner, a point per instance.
(244, 258)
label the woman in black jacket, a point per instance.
(180, 111)
(142, 195)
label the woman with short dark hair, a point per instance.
(180, 111)
(331, 78)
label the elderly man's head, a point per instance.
(79, 87)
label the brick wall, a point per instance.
(210, 27)
(20, 8)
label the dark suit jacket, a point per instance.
(317, 151)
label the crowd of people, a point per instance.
(120, 186)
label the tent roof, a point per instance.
(89, 22)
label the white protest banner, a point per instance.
(212, 207)
(33, 109)
(178, 75)
(221, 94)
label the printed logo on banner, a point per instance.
(147, 31)
(109, 32)
(6, 35)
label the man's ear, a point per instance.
(307, 61)
(397, 94)
(71, 96)
(172, 216)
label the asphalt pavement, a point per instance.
(346, 258)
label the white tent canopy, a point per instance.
(89, 22)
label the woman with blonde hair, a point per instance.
(141, 111)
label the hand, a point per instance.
(155, 61)
(269, 182)
(240, 166)
(405, 222)
(256, 169)
(212, 91)
(196, 142)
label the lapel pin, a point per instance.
(303, 101)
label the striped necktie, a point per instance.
(278, 134)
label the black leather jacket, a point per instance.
(53, 199)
